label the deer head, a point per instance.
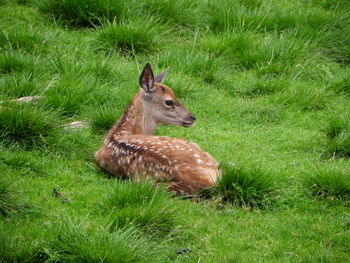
(160, 103)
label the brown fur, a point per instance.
(128, 151)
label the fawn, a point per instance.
(130, 149)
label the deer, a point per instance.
(132, 151)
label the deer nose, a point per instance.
(193, 118)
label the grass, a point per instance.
(341, 83)
(306, 97)
(15, 250)
(81, 13)
(65, 96)
(102, 119)
(143, 205)
(253, 86)
(333, 42)
(252, 187)
(72, 143)
(243, 49)
(268, 82)
(22, 40)
(189, 61)
(9, 63)
(18, 85)
(329, 183)
(178, 13)
(24, 162)
(9, 201)
(25, 126)
(90, 13)
(128, 37)
(338, 136)
(75, 243)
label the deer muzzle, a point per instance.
(189, 121)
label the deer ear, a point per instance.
(147, 79)
(160, 78)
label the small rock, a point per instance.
(76, 125)
(26, 99)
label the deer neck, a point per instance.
(136, 119)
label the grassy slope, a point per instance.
(263, 101)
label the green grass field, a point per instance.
(269, 83)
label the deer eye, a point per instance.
(169, 102)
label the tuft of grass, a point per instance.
(338, 136)
(17, 85)
(66, 94)
(252, 187)
(82, 13)
(323, 256)
(336, 124)
(339, 146)
(236, 46)
(74, 143)
(80, 243)
(175, 12)
(15, 249)
(305, 96)
(102, 119)
(260, 115)
(224, 15)
(143, 205)
(335, 40)
(260, 16)
(86, 65)
(128, 37)
(184, 86)
(230, 258)
(270, 55)
(341, 83)
(253, 86)
(11, 63)
(20, 40)
(188, 60)
(304, 22)
(25, 126)
(24, 161)
(102, 70)
(333, 4)
(77, 79)
(63, 66)
(20, 2)
(9, 201)
(329, 183)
